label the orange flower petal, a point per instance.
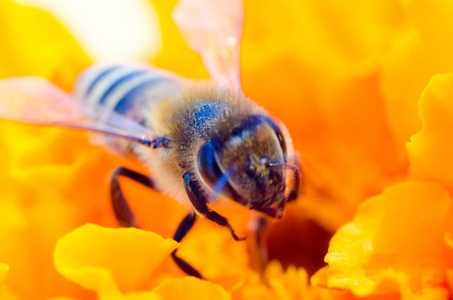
(136, 296)
(450, 279)
(324, 86)
(5, 292)
(34, 43)
(33, 215)
(291, 283)
(388, 285)
(175, 55)
(420, 37)
(104, 259)
(394, 244)
(430, 150)
(190, 288)
(277, 283)
(4, 269)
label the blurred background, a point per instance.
(108, 30)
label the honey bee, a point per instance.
(200, 140)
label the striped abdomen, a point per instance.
(126, 90)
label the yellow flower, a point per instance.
(399, 244)
(344, 77)
(35, 44)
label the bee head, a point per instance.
(247, 164)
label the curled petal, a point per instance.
(109, 260)
(395, 244)
(430, 149)
(388, 283)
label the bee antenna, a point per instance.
(291, 166)
(275, 164)
(294, 168)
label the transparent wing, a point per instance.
(213, 29)
(36, 100)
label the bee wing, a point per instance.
(213, 29)
(36, 100)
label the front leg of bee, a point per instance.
(123, 213)
(180, 233)
(161, 142)
(199, 201)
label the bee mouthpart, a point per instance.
(275, 211)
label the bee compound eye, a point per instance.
(207, 164)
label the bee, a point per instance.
(200, 140)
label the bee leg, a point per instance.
(257, 246)
(199, 201)
(180, 233)
(161, 142)
(123, 213)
